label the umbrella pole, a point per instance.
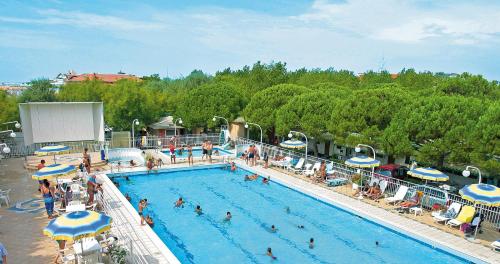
(477, 226)
(54, 158)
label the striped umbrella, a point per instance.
(293, 143)
(484, 194)
(53, 170)
(362, 162)
(77, 225)
(481, 193)
(52, 150)
(428, 174)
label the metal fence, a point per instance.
(491, 215)
(137, 251)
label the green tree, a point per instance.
(199, 105)
(40, 90)
(263, 106)
(8, 108)
(86, 91)
(486, 151)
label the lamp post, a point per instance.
(17, 124)
(304, 135)
(5, 148)
(466, 173)
(175, 129)
(11, 132)
(246, 126)
(135, 122)
(220, 117)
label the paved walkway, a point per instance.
(405, 225)
(21, 232)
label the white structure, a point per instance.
(61, 121)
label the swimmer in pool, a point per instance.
(300, 226)
(266, 180)
(251, 177)
(311, 243)
(198, 210)
(179, 203)
(270, 253)
(287, 209)
(228, 217)
(273, 229)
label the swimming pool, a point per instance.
(197, 153)
(340, 237)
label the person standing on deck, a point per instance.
(48, 193)
(190, 155)
(209, 150)
(203, 149)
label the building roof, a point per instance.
(107, 78)
(12, 88)
(166, 122)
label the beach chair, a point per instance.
(298, 166)
(399, 196)
(496, 245)
(329, 169)
(314, 169)
(451, 213)
(465, 216)
(282, 163)
(66, 257)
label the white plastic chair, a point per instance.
(4, 195)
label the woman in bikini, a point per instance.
(190, 154)
(48, 197)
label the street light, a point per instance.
(12, 134)
(358, 149)
(466, 172)
(135, 122)
(175, 129)
(304, 135)
(17, 124)
(246, 126)
(220, 117)
(6, 148)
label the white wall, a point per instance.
(62, 121)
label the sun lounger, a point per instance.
(282, 163)
(399, 196)
(451, 213)
(383, 185)
(496, 245)
(298, 166)
(465, 216)
(314, 169)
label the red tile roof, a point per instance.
(107, 78)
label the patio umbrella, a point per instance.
(428, 174)
(53, 170)
(362, 162)
(52, 150)
(77, 225)
(293, 143)
(484, 194)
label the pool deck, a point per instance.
(409, 227)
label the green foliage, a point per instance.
(8, 108)
(40, 90)
(437, 117)
(263, 106)
(199, 105)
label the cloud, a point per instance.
(85, 20)
(462, 23)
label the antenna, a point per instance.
(382, 64)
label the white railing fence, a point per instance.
(128, 237)
(491, 215)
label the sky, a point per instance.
(41, 38)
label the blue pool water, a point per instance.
(198, 153)
(340, 237)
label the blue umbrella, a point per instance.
(293, 143)
(52, 150)
(53, 170)
(428, 174)
(362, 162)
(77, 225)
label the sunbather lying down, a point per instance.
(278, 157)
(414, 201)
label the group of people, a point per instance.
(251, 155)
(173, 152)
(373, 192)
(206, 150)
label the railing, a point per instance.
(154, 142)
(18, 149)
(491, 215)
(123, 229)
